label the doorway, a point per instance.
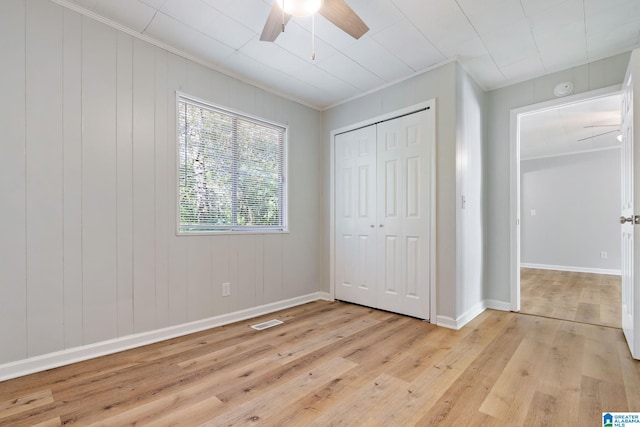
(566, 180)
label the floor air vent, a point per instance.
(267, 324)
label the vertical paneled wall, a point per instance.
(13, 259)
(99, 169)
(88, 250)
(43, 178)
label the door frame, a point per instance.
(514, 174)
(432, 203)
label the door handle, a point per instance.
(632, 219)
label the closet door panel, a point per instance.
(364, 141)
(391, 193)
(390, 277)
(355, 216)
(345, 280)
(417, 153)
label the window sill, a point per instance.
(231, 232)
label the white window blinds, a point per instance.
(231, 171)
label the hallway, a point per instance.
(581, 297)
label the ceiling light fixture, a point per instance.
(300, 7)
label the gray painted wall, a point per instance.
(592, 76)
(88, 251)
(576, 199)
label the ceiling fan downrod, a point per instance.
(313, 37)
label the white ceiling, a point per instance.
(498, 41)
(584, 126)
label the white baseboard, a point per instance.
(497, 305)
(472, 313)
(572, 269)
(466, 317)
(78, 354)
(446, 322)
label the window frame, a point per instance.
(232, 230)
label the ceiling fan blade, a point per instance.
(343, 17)
(600, 134)
(274, 25)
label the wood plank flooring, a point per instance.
(336, 364)
(583, 297)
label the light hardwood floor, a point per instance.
(583, 297)
(334, 364)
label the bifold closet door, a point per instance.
(355, 211)
(404, 159)
(382, 199)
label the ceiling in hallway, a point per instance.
(590, 125)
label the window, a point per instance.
(231, 171)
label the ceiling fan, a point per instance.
(336, 11)
(600, 134)
(603, 133)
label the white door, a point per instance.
(404, 185)
(630, 191)
(355, 212)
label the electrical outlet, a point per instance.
(603, 255)
(226, 289)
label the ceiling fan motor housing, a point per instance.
(337, 12)
(300, 7)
